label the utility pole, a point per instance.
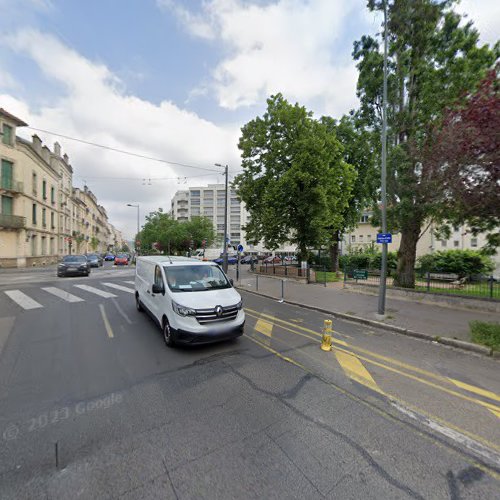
(383, 194)
(224, 252)
(138, 224)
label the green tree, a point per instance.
(359, 151)
(94, 243)
(125, 248)
(295, 183)
(433, 60)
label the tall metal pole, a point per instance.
(383, 194)
(224, 255)
(138, 227)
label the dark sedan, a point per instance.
(109, 256)
(73, 265)
(231, 259)
(248, 259)
(95, 260)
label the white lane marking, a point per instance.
(68, 297)
(130, 282)
(473, 445)
(109, 330)
(120, 310)
(22, 299)
(119, 287)
(91, 289)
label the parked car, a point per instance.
(168, 288)
(95, 260)
(73, 265)
(248, 259)
(121, 260)
(109, 257)
(290, 258)
(231, 259)
(272, 260)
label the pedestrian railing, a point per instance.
(477, 286)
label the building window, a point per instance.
(7, 134)
(195, 201)
(195, 193)
(33, 246)
(34, 183)
(53, 196)
(473, 242)
(44, 217)
(6, 205)
(44, 245)
(52, 249)
(353, 238)
(195, 211)
(6, 180)
(52, 222)
(220, 227)
(364, 218)
(361, 238)
(456, 243)
(235, 201)
(369, 237)
(444, 243)
(33, 214)
(44, 189)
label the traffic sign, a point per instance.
(360, 274)
(384, 238)
(240, 248)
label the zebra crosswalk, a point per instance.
(81, 294)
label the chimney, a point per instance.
(66, 159)
(46, 154)
(37, 144)
(57, 149)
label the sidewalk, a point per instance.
(433, 320)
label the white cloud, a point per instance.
(486, 17)
(287, 46)
(95, 107)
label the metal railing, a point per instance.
(12, 186)
(474, 286)
(12, 221)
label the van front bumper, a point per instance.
(185, 337)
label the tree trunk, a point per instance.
(334, 252)
(405, 273)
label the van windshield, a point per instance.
(195, 278)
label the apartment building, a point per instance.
(39, 213)
(461, 238)
(209, 201)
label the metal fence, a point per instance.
(479, 286)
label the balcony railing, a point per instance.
(12, 221)
(12, 186)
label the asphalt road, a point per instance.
(94, 405)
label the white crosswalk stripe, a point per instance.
(22, 299)
(130, 282)
(119, 287)
(68, 297)
(96, 291)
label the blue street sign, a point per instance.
(384, 238)
(240, 248)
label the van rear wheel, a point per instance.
(167, 333)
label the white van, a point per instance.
(207, 253)
(192, 301)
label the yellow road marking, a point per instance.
(462, 385)
(387, 415)
(355, 370)
(109, 330)
(477, 390)
(430, 384)
(264, 327)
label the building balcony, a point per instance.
(10, 186)
(12, 221)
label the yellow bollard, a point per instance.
(326, 340)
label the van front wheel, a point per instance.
(167, 333)
(138, 304)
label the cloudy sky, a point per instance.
(175, 80)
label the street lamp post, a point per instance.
(138, 225)
(224, 252)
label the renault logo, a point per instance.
(218, 311)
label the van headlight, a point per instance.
(239, 305)
(182, 311)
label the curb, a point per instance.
(459, 344)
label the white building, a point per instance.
(209, 201)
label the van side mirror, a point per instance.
(158, 289)
(231, 281)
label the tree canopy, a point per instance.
(295, 182)
(434, 58)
